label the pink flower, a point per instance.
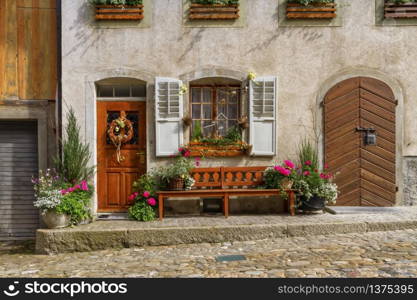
(306, 173)
(289, 164)
(283, 171)
(146, 194)
(326, 166)
(180, 149)
(77, 187)
(277, 168)
(84, 185)
(151, 201)
(308, 163)
(63, 192)
(70, 190)
(323, 176)
(197, 163)
(132, 197)
(187, 153)
(136, 194)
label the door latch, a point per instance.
(369, 138)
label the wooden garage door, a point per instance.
(367, 173)
(18, 161)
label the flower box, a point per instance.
(213, 12)
(311, 11)
(119, 12)
(401, 10)
(198, 149)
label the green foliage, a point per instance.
(180, 168)
(197, 131)
(116, 2)
(307, 2)
(147, 182)
(233, 137)
(72, 166)
(141, 211)
(234, 134)
(223, 2)
(307, 152)
(75, 204)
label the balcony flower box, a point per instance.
(201, 149)
(315, 10)
(119, 12)
(400, 10)
(213, 11)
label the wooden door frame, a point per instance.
(396, 88)
(121, 100)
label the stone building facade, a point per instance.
(303, 61)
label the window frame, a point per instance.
(214, 110)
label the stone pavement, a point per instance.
(372, 254)
(102, 235)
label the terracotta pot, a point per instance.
(54, 220)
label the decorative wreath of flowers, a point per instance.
(120, 132)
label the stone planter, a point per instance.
(312, 11)
(401, 10)
(54, 220)
(119, 12)
(315, 203)
(213, 12)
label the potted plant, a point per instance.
(229, 145)
(311, 9)
(63, 194)
(144, 198)
(118, 9)
(177, 175)
(214, 10)
(281, 177)
(400, 9)
(315, 188)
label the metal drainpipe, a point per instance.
(59, 74)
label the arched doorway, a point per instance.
(353, 109)
(121, 103)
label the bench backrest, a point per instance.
(227, 177)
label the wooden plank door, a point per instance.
(115, 178)
(366, 172)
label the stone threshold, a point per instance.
(102, 235)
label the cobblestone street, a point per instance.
(378, 254)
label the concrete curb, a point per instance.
(62, 241)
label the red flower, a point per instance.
(308, 163)
(306, 173)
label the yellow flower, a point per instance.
(251, 76)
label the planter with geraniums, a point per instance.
(119, 9)
(214, 10)
(311, 9)
(63, 194)
(400, 9)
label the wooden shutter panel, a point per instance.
(262, 111)
(168, 116)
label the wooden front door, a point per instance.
(367, 172)
(115, 177)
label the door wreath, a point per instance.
(120, 132)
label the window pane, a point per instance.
(231, 124)
(207, 111)
(196, 111)
(122, 91)
(207, 95)
(233, 96)
(196, 95)
(105, 91)
(232, 111)
(222, 128)
(208, 128)
(139, 91)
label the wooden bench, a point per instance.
(225, 182)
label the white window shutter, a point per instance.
(262, 114)
(168, 116)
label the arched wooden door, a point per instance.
(366, 172)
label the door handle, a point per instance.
(142, 157)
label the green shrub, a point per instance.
(76, 204)
(307, 2)
(307, 152)
(141, 211)
(224, 2)
(73, 165)
(116, 2)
